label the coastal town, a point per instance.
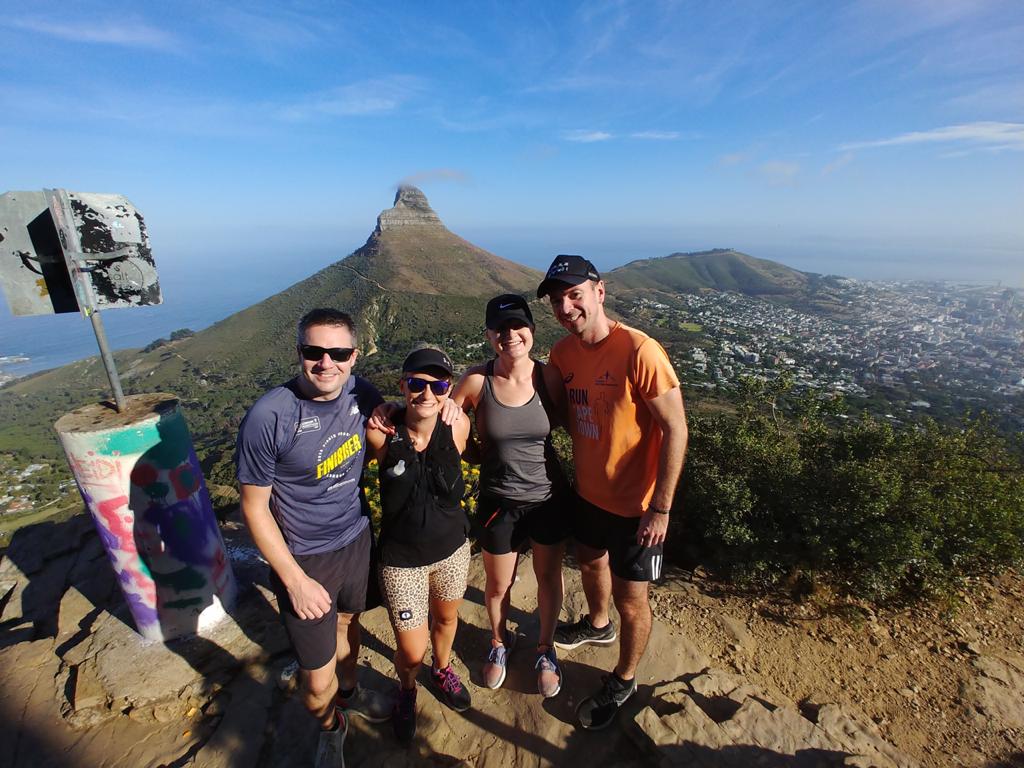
(936, 348)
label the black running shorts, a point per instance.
(344, 574)
(602, 530)
(504, 526)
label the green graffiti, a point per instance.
(129, 442)
(182, 580)
(183, 603)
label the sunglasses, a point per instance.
(338, 354)
(416, 386)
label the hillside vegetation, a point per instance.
(718, 270)
(865, 508)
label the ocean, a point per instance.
(193, 297)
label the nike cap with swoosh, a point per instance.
(508, 306)
(567, 269)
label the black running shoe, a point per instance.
(599, 710)
(403, 716)
(569, 636)
(450, 688)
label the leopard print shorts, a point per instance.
(407, 592)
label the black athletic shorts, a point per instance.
(602, 530)
(504, 526)
(344, 574)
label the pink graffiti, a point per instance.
(143, 475)
(108, 510)
(93, 470)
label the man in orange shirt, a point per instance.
(628, 429)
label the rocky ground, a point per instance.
(729, 680)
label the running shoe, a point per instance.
(549, 674)
(403, 716)
(497, 660)
(449, 688)
(569, 636)
(599, 710)
(368, 704)
(330, 748)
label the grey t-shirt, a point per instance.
(514, 442)
(311, 453)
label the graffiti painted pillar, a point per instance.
(141, 481)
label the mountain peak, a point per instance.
(411, 209)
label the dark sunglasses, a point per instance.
(418, 385)
(338, 354)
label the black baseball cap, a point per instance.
(427, 358)
(508, 306)
(567, 269)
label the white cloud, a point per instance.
(435, 174)
(357, 99)
(995, 136)
(779, 173)
(125, 32)
(656, 135)
(586, 137)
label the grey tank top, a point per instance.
(513, 441)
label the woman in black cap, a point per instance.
(524, 498)
(424, 554)
(523, 494)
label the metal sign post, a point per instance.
(66, 251)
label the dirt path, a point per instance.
(728, 681)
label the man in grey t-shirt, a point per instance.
(300, 456)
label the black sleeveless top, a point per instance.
(420, 493)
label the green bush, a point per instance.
(871, 510)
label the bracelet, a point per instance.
(657, 511)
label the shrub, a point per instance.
(874, 511)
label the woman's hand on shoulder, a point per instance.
(380, 419)
(451, 413)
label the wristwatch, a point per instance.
(657, 511)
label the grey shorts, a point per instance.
(407, 592)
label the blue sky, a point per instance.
(873, 139)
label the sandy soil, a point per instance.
(917, 673)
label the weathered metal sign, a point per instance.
(74, 251)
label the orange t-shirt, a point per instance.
(615, 438)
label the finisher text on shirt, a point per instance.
(345, 451)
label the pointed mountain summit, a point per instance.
(411, 209)
(411, 250)
(413, 280)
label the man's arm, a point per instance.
(309, 599)
(555, 386)
(668, 411)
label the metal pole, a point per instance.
(108, 359)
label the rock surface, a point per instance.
(411, 209)
(81, 688)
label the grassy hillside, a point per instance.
(719, 270)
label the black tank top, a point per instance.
(420, 493)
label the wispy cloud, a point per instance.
(656, 135)
(585, 136)
(779, 173)
(732, 159)
(990, 135)
(840, 162)
(365, 98)
(434, 175)
(132, 33)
